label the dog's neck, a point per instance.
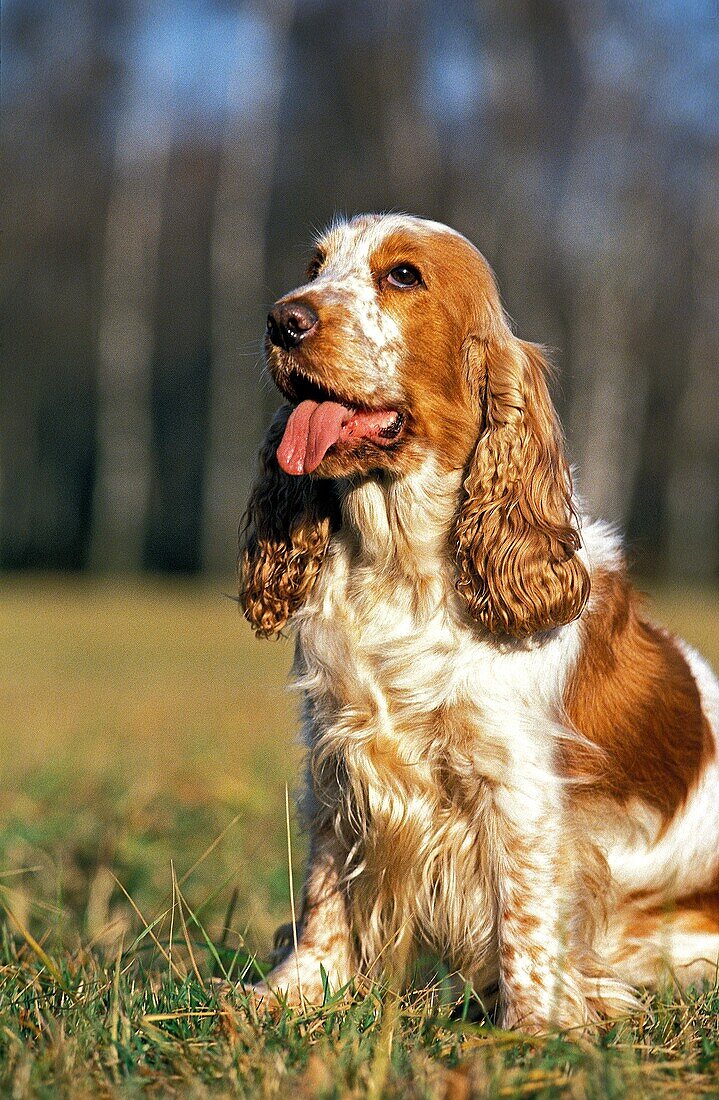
(402, 524)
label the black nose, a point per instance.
(289, 323)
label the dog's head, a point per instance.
(370, 349)
(397, 348)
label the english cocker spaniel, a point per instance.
(507, 764)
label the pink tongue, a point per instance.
(310, 432)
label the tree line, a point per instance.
(155, 206)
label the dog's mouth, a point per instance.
(321, 419)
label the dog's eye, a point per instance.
(404, 276)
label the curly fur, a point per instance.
(283, 539)
(516, 537)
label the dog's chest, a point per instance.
(401, 693)
(382, 646)
(393, 706)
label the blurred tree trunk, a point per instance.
(609, 390)
(606, 226)
(410, 139)
(506, 182)
(693, 489)
(124, 420)
(236, 419)
(182, 353)
(55, 167)
(354, 136)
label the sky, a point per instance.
(190, 58)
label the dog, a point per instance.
(508, 764)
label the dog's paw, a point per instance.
(287, 986)
(579, 1018)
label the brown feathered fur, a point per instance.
(516, 535)
(283, 538)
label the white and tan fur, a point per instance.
(454, 800)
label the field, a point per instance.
(145, 742)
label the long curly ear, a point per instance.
(516, 538)
(283, 538)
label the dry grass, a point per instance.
(139, 724)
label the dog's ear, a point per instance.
(283, 538)
(516, 535)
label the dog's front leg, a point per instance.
(539, 987)
(323, 936)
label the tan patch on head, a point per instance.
(459, 298)
(633, 695)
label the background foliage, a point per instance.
(165, 164)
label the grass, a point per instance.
(145, 747)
